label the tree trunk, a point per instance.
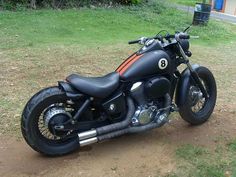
(33, 4)
(54, 5)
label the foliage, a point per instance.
(15, 4)
(136, 1)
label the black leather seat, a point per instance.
(100, 87)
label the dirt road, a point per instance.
(147, 154)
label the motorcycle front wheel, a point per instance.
(197, 109)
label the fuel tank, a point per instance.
(139, 66)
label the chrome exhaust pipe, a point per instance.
(93, 136)
(87, 134)
(88, 141)
(110, 128)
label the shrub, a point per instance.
(14, 4)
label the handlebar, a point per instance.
(184, 36)
(134, 41)
(176, 36)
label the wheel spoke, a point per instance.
(46, 129)
(198, 102)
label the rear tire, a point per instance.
(29, 124)
(186, 112)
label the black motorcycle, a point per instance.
(137, 97)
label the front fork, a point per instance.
(193, 73)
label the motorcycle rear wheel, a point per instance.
(48, 126)
(31, 120)
(194, 96)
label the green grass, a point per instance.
(101, 26)
(196, 161)
(232, 150)
(232, 145)
(189, 152)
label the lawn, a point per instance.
(101, 26)
(38, 48)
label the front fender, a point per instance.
(182, 86)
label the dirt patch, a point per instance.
(17, 158)
(147, 154)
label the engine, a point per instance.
(150, 98)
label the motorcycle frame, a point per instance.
(177, 79)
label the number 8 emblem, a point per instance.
(163, 63)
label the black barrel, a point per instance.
(201, 14)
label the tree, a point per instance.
(33, 4)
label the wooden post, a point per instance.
(224, 6)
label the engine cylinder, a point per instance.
(157, 87)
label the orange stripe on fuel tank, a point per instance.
(125, 62)
(129, 64)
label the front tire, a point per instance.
(30, 124)
(193, 97)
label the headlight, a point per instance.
(184, 44)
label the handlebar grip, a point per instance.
(133, 42)
(184, 36)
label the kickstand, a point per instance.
(174, 108)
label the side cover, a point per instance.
(140, 66)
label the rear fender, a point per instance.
(182, 86)
(69, 90)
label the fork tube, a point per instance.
(193, 73)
